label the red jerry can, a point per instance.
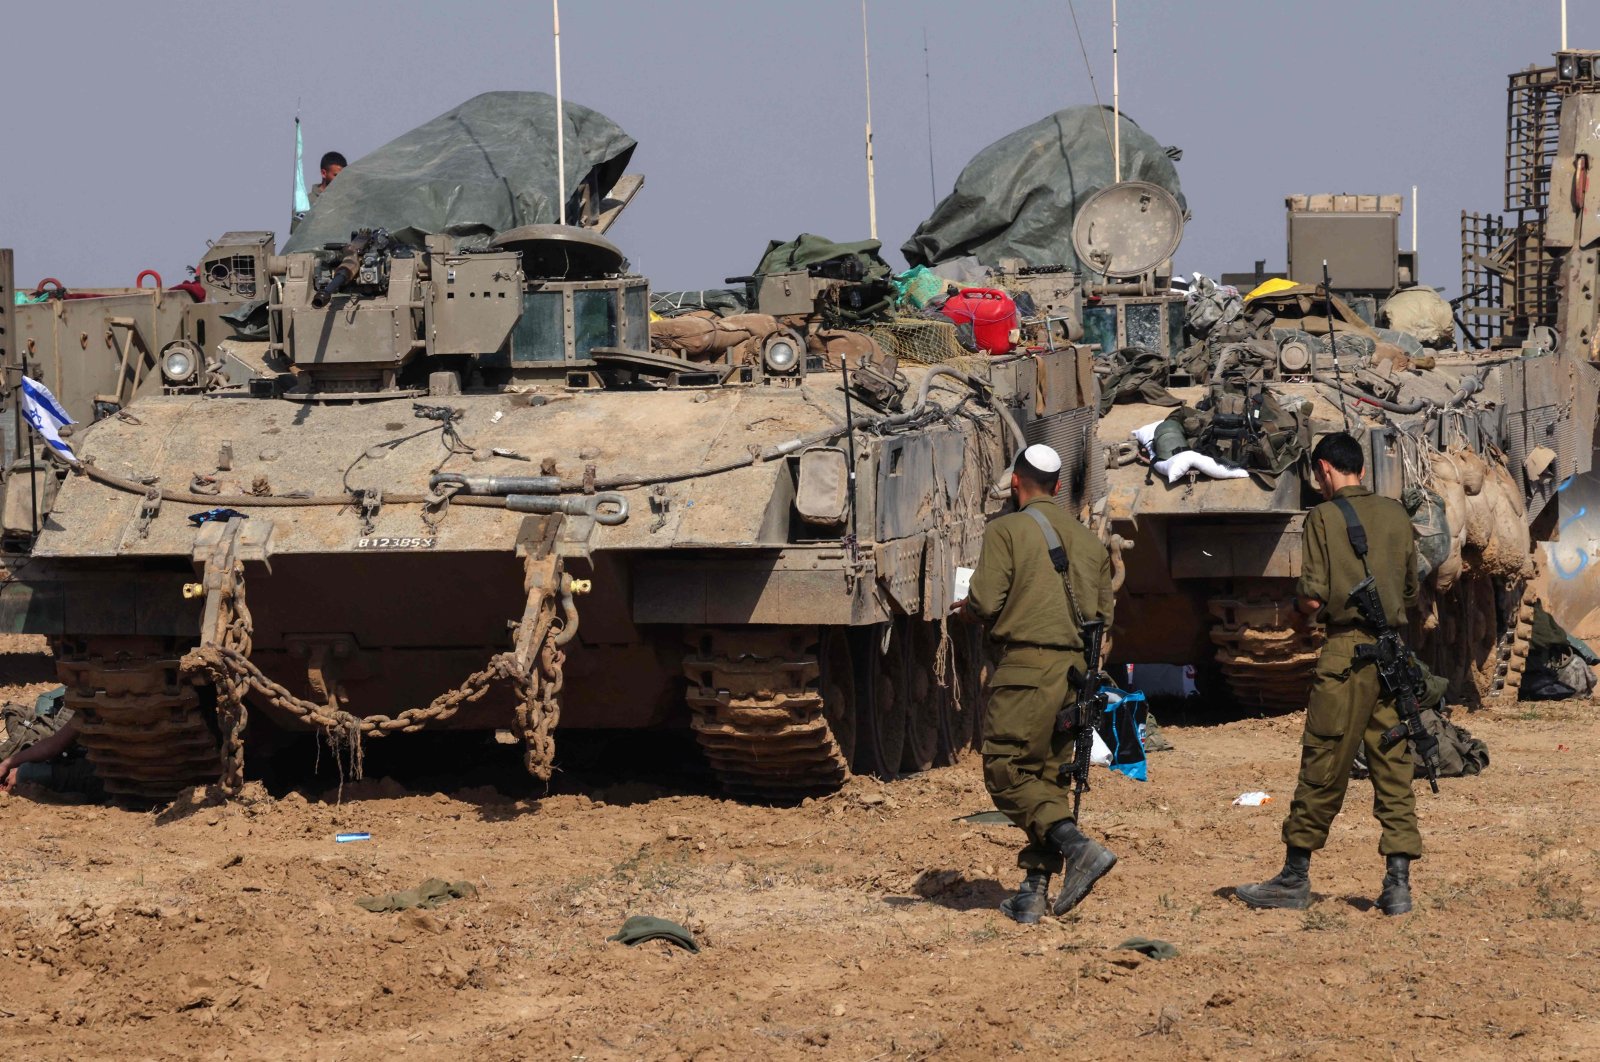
(992, 313)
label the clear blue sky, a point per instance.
(135, 132)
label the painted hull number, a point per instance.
(394, 543)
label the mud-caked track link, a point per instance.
(1266, 649)
(1512, 652)
(759, 712)
(146, 732)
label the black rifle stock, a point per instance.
(1083, 713)
(1400, 675)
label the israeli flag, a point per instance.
(41, 409)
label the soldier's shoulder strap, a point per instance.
(1058, 561)
(1353, 527)
(1052, 541)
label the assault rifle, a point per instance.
(1401, 676)
(1083, 713)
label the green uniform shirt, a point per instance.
(1330, 568)
(1016, 588)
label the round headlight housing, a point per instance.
(179, 361)
(781, 354)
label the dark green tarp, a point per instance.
(1017, 198)
(807, 249)
(483, 167)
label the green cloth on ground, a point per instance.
(640, 928)
(1149, 948)
(985, 818)
(430, 893)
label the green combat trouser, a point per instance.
(1348, 709)
(1023, 751)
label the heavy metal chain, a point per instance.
(227, 664)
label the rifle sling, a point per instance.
(1058, 560)
(1352, 525)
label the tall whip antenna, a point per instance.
(1116, 104)
(561, 120)
(1090, 68)
(872, 186)
(927, 81)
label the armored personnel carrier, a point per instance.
(1477, 444)
(460, 487)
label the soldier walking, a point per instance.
(1348, 707)
(1036, 615)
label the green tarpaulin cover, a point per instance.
(1017, 198)
(483, 167)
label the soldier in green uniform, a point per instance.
(1036, 616)
(1348, 707)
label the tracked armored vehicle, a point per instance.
(441, 461)
(1477, 444)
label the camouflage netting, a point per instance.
(919, 339)
(1018, 197)
(483, 167)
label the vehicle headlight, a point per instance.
(178, 364)
(782, 353)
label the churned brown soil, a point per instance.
(862, 926)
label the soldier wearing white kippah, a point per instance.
(1036, 616)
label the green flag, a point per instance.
(302, 201)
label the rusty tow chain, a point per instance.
(533, 668)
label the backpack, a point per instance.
(1460, 754)
(1243, 423)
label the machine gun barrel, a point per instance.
(1401, 677)
(1082, 714)
(367, 241)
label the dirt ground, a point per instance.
(862, 926)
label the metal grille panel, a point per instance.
(1533, 109)
(1483, 313)
(1083, 467)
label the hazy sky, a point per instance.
(135, 132)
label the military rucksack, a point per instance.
(1243, 423)
(1460, 754)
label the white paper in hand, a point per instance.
(961, 584)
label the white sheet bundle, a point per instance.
(1183, 462)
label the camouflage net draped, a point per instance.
(919, 339)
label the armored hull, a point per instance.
(310, 539)
(1213, 563)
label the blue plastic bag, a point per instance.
(1123, 732)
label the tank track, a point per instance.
(1266, 650)
(758, 713)
(1512, 653)
(145, 732)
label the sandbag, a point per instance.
(1473, 471)
(1508, 550)
(1447, 484)
(703, 336)
(1421, 312)
(840, 347)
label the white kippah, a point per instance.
(1043, 458)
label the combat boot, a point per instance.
(1290, 889)
(1395, 899)
(1031, 901)
(1087, 862)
